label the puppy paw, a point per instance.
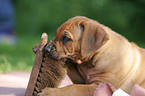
(48, 92)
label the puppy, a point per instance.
(98, 55)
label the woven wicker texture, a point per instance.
(50, 75)
(46, 72)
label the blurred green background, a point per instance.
(34, 17)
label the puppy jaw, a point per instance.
(55, 52)
(50, 51)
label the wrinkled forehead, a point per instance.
(72, 25)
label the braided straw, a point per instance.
(46, 72)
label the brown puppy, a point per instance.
(99, 55)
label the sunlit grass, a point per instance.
(18, 57)
(5, 65)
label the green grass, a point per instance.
(19, 57)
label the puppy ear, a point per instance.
(93, 38)
(35, 48)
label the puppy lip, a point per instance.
(52, 54)
(52, 57)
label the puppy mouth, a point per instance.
(51, 52)
(55, 56)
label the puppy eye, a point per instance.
(66, 39)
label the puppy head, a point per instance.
(77, 38)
